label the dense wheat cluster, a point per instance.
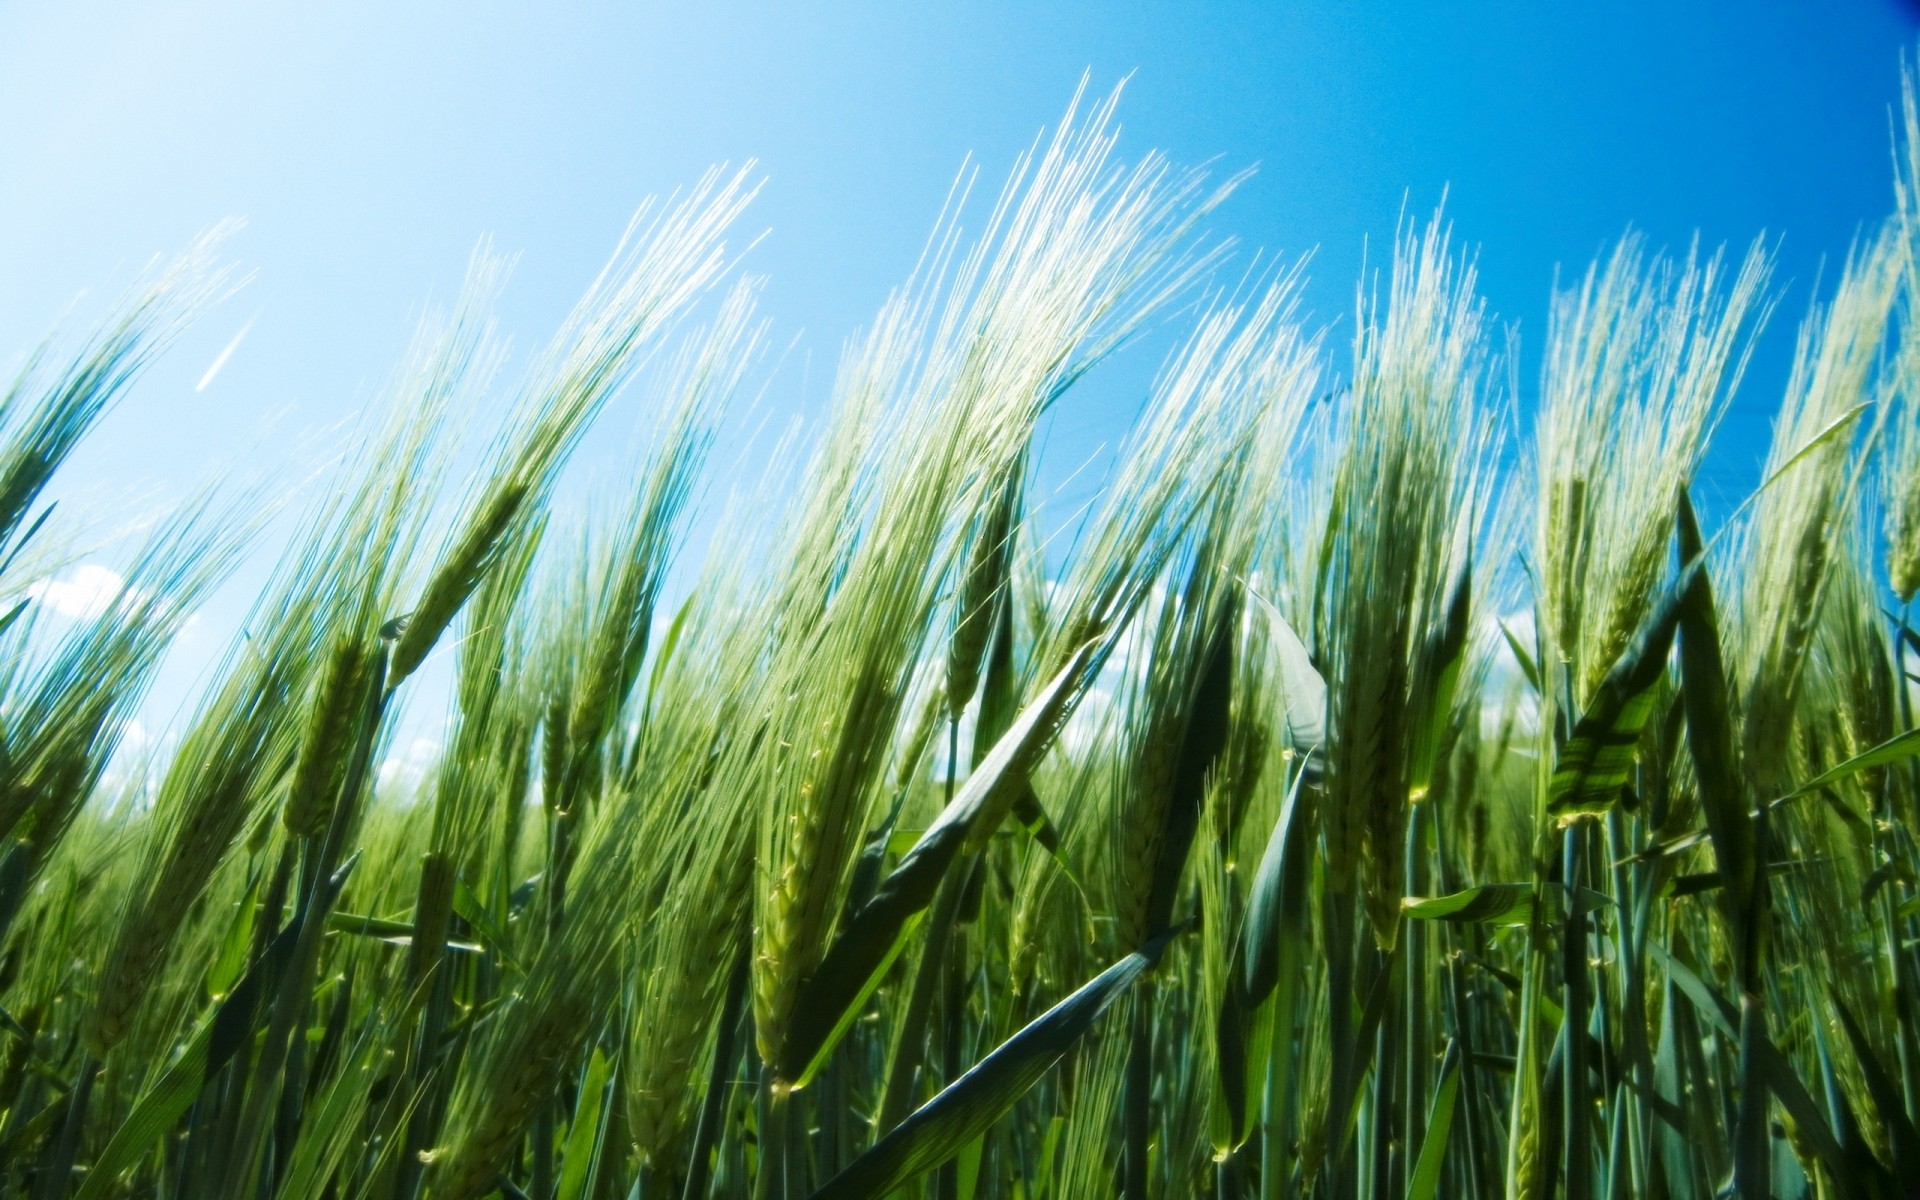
(1379, 792)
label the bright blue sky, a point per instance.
(370, 145)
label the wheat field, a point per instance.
(1376, 793)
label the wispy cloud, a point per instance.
(408, 769)
(82, 594)
(220, 359)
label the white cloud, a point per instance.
(407, 770)
(83, 594)
(136, 738)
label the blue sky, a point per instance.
(369, 146)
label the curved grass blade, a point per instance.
(1200, 748)
(1738, 847)
(1846, 1125)
(1523, 656)
(1272, 942)
(1495, 904)
(328, 1135)
(1703, 688)
(859, 956)
(587, 1133)
(1277, 903)
(1771, 1064)
(1032, 816)
(1895, 749)
(217, 1042)
(1597, 761)
(943, 1126)
(1304, 687)
(1442, 659)
(1888, 1102)
(1433, 1146)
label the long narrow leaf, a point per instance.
(217, 1042)
(939, 1129)
(1597, 760)
(873, 937)
(1779, 1075)
(1495, 904)
(1895, 749)
(1433, 1144)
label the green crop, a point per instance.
(1357, 800)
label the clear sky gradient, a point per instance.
(369, 146)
